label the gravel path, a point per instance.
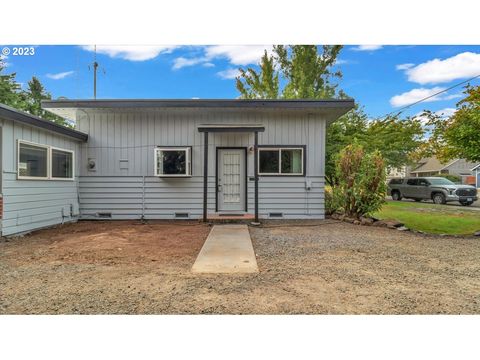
(334, 268)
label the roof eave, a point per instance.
(199, 103)
(10, 113)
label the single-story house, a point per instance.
(165, 159)
(432, 166)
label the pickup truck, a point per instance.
(438, 189)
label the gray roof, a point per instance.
(208, 103)
(332, 108)
(9, 113)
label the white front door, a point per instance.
(231, 180)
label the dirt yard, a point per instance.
(333, 268)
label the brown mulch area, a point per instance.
(126, 267)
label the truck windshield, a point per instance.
(440, 181)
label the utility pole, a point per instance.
(95, 66)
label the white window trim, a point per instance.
(49, 162)
(188, 156)
(279, 149)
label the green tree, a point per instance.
(10, 89)
(459, 135)
(34, 95)
(394, 138)
(361, 188)
(305, 74)
(259, 85)
(11, 94)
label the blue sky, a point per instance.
(381, 78)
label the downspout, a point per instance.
(143, 199)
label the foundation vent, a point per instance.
(182, 215)
(275, 215)
(104, 215)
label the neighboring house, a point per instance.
(476, 172)
(400, 172)
(167, 159)
(432, 166)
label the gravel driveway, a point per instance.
(332, 268)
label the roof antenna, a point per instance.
(95, 67)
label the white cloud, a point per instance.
(60, 76)
(131, 52)
(367, 47)
(229, 73)
(404, 66)
(447, 112)
(342, 62)
(460, 66)
(238, 54)
(181, 62)
(235, 54)
(414, 95)
(443, 113)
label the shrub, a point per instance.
(362, 187)
(451, 177)
(329, 206)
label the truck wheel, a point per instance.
(439, 199)
(466, 203)
(396, 195)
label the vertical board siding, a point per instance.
(33, 204)
(133, 134)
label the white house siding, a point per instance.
(132, 135)
(33, 204)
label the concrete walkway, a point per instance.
(228, 249)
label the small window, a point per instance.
(412, 182)
(281, 161)
(396, 181)
(32, 161)
(62, 164)
(173, 162)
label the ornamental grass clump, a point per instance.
(361, 187)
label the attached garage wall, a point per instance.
(33, 204)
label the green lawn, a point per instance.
(431, 218)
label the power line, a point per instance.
(431, 96)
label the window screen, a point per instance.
(62, 164)
(32, 161)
